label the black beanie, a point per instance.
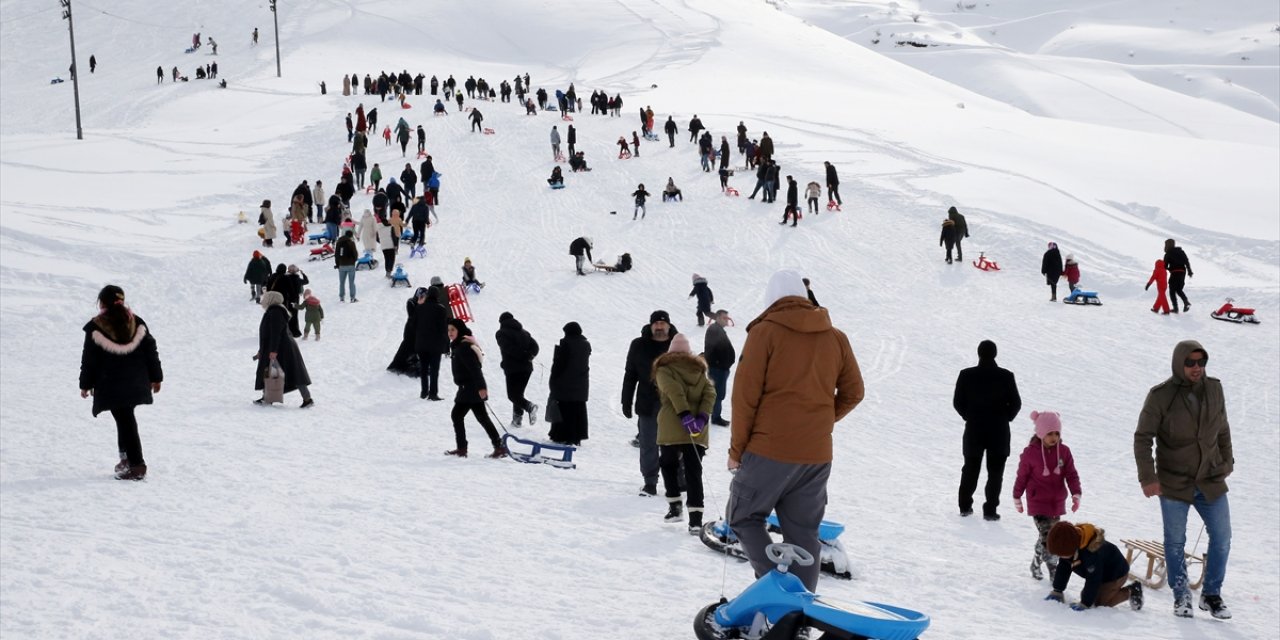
(659, 315)
(987, 350)
(572, 329)
(952, 210)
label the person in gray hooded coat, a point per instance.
(1185, 418)
(276, 344)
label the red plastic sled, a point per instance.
(984, 264)
(730, 191)
(488, 131)
(458, 302)
(832, 206)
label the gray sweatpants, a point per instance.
(648, 426)
(798, 492)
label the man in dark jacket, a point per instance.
(570, 385)
(762, 182)
(572, 139)
(771, 181)
(579, 247)
(833, 184)
(766, 148)
(1051, 268)
(639, 392)
(1185, 418)
(1179, 266)
(671, 128)
(345, 254)
(793, 202)
(986, 396)
(695, 125)
(705, 298)
(418, 217)
(720, 356)
(961, 231)
(410, 181)
(430, 340)
(518, 350)
(476, 118)
(1087, 553)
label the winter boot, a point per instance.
(695, 521)
(1035, 569)
(1182, 606)
(1214, 605)
(675, 511)
(648, 490)
(139, 472)
(533, 413)
(517, 417)
(499, 451)
(122, 465)
(307, 403)
(461, 453)
(1135, 595)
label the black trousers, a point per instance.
(429, 372)
(969, 478)
(459, 413)
(1177, 280)
(293, 320)
(419, 233)
(670, 457)
(127, 435)
(389, 259)
(833, 193)
(572, 428)
(517, 382)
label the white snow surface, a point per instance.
(346, 521)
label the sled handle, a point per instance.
(783, 554)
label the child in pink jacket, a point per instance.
(1046, 471)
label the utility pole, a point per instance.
(275, 19)
(75, 72)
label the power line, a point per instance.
(36, 13)
(127, 19)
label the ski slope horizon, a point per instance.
(346, 520)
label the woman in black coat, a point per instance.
(570, 383)
(120, 368)
(466, 358)
(275, 343)
(430, 339)
(1051, 268)
(405, 362)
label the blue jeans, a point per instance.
(720, 378)
(345, 274)
(331, 230)
(1217, 520)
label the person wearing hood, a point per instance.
(577, 249)
(796, 379)
(367, 230)
(1071, 269)
(555, 143)
(1046, 472)
(276, 345)
(430, 339)
(705, 298)
(466, 359)
(986, 397)
(395, 192)
(1085, 551)
(268, 222)
(686, 397)
(1051, 268)
(518, 349)
(948, 237)
(962, 230)
(1179, 266)
(570, 383)
(256, 275)
(1159, 277)
(313, 314)
(640, 393)
(120, 368)
(1185, 418)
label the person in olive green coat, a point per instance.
(1185, 417)
(686, 396)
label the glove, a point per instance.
(690, 423)
(626, 411)
(703, 419)
(1078, 606)
(1147, 288)
(1075, 503)
(1055, 596)
(1017, 504)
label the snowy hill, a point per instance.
(345, 520)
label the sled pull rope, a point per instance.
(706, 489)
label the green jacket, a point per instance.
(376, 174)
(1192, 448)
(313, 312)
(682, 386)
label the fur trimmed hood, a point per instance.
(684, 362)
(113, 344)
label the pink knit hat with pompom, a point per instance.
(1048, 422)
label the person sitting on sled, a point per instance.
(469, 276)
(1084, 550)
(439, 108)
(557, 178)
(671, 192)
(579, 162)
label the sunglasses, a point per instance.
(1194, 362)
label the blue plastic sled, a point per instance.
(366, 261)
(399, 277)
(531, 452)
(834, 562)
(652, 137)
(419, 251)
(558, 185)
(780, 598)
(319, 238)
(1082, 298)
(407, 235)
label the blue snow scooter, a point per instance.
(778, 607)
(834, 562)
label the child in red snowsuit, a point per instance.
(1161, 278)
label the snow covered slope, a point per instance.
(345, 520)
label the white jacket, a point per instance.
(367, 231)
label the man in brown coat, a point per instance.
(1185, 417)
(797, 377)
